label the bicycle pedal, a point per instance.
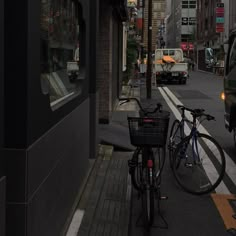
(163, 197)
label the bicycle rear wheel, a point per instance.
(174, 139)
(136, 169)
(199, 164)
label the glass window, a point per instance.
(192, 4)
(61, 67)
(192, 20)
(165, 52)
(184, 4)
(232, 58)
(184, 20)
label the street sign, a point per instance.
(219, 14)
(219, 30)
(220, 20)
(219, 4)
(220, 17)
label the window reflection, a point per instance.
(60, 33)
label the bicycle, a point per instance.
(197, 160)
(147, 132)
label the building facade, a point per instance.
(181, 26)
(48, 118)
(158, 16)
(207, 36)
(173, 25)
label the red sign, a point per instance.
(186, 46)
(219, 14)
(220, 10)
(219, 30)
(219, 25)
(220, 17)
(139, 23)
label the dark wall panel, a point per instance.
(45, 179)
(1, 74)
(2, 205)
(15, 83)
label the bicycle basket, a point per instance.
(149, 131)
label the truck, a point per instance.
(169, 65)
(230, 85)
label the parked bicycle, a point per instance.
(148, 133)
(197, 160)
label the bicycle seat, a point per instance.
(198, 112)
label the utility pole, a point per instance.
(149, 60)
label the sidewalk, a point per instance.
(104, 206)
(106, 200)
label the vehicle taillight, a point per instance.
(149, 163)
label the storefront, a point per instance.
(47, 139)
(51, 93)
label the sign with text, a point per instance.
(220, 20)
(187, 46)
(220, 17)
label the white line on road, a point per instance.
(75, 223)
(211, 169)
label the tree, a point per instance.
(132, 54)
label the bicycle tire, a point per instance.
(207, 173)
(136, 170)
(148, 201)
(174, 139)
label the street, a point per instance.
(182, 213)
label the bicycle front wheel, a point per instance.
(199, 164)
(148, 201)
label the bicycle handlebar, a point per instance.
(196, 112)
(146, 112)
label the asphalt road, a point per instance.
(186, 214)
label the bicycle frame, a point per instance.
(193, 134)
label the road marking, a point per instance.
(221, 188)
(230, 165)
(75, 223)
(222, 203)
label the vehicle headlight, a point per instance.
(222, 96)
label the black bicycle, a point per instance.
(148, 133)
(197, 160)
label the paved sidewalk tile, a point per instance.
(107, 209)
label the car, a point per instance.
(230, 86)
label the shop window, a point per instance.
(62, 68)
